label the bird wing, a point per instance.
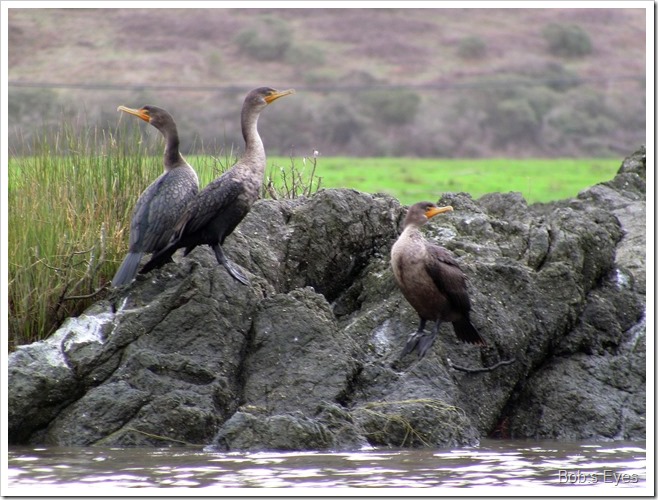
(158, 209)
(208, 204)
(448, 277)
(139, 224)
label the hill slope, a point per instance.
(465, 82)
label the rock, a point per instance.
(290, 359)
(306, 358)
(595, 384)
(244, 431)
(416, 422)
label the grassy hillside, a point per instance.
(374, 82)
(400, 46)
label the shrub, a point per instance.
(268, 40)
(514, 120)
(391, 107)
(514, 107)
(567, 40)
(472, 47)
(557, 77)
(306, 56)
(581, 116)
(340, 123)
(580, 123)
(215, 63)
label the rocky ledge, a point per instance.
(307, 357)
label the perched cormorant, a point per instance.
(219, 207)
(162, 203)
(432, 282)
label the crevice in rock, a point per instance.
(544, 258)
(352, 384)
(241, 372)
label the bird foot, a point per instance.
(236, 273)
(419, 341)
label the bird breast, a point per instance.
(409, 258)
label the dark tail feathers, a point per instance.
(127, 270)
(466, 332)
(160, 258)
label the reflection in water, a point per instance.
(526, 464)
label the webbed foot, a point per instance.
(236, 273)
(420, 342)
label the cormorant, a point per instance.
(431, 281)
(219, 207)
(162, 203)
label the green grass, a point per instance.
(411, 180)
(65, 225)
(70, 205)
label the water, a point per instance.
(571, 467)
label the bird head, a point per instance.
(144, 112)
(262, 96)
(423, 211)
(157, 117)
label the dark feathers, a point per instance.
(448, 278)
(162, 203)
(431, 281)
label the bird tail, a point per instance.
(128, 269)
(160, 258)
(466, 332)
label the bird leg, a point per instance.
(412, 341)
(229, 266)
(420, 340)
(426, 340)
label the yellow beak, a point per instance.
(140, 113)
(278, 93)
(431, 212)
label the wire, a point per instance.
(482, 83)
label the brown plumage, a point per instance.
(431, 281)
(219, 207)
(162, 203)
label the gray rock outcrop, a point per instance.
(307, 357)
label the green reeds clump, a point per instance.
(70, 203)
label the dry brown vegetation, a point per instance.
(499, 99)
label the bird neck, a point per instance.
(410, 243)
(412, 233)
(254, 153)
(172, 156)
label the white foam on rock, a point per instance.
(83, 329)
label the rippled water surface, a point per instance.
(521, 464)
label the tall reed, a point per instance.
(70, 205)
